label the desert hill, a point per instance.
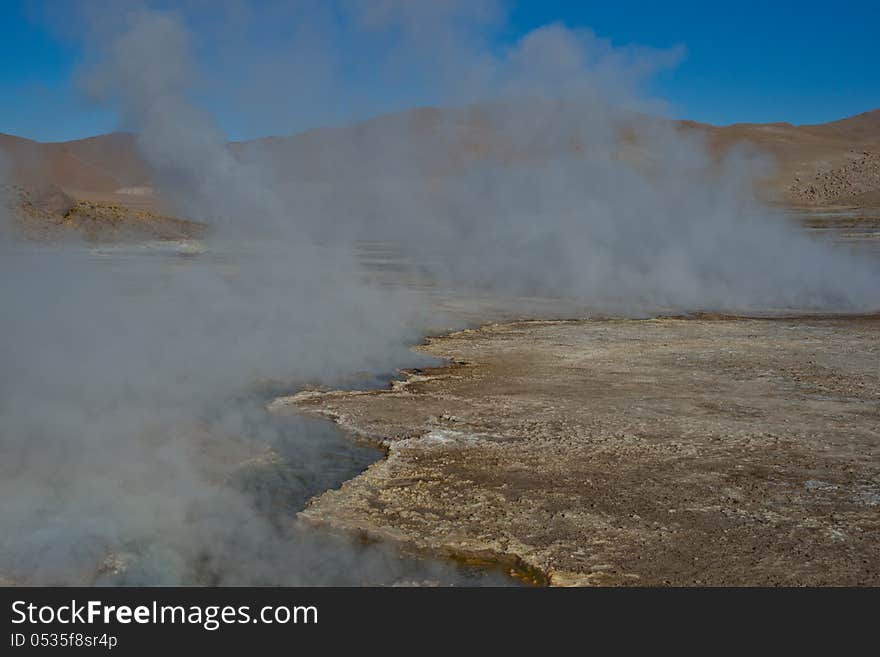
(96, 165)
(836, 163)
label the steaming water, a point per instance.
(857, 229)
(277, 463)
(135, 443)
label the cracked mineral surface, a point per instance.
(682, 451)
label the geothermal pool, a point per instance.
(129, 458)
(120, 470)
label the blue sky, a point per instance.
(802, 62)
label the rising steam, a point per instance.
(128, 384)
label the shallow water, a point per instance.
(856, 229)
(262, 468)
(278, 462)
(315, 456)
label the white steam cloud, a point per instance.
(129, 384)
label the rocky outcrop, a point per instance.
(46, 212)
(49, 199)
(846, 184)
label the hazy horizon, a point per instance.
(717, 68)
(374, 117)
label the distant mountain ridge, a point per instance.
(831, 163)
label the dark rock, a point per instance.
(51, 199)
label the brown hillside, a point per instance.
(84, 168)
(836, 163)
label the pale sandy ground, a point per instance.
(667, 451)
